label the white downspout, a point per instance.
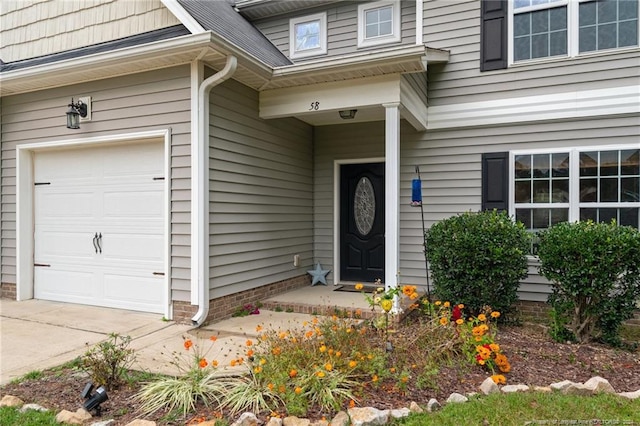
(200, 190)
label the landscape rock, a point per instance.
(208, 423)
(515, 388)
(599, 385)
(400, 413)
(577, 389)
(542, 389)
(630, 395)
(319, 423)
(247, 419)
(104, 423)
(274, 421)
(456, 397)
(295, 421)
(340, 419)
(368, 416)
(34, 407)
(141, 422)
(415, 408)
(489, 386)
(66, 416)
(11, 401)
(433, 405)
(559, 386)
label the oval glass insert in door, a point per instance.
(364, 206)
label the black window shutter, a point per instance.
(495, 181)
(493, 34)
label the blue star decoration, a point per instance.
(318, 275)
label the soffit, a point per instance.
(258, 9)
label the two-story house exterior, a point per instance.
(230, 146)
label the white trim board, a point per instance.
(24, 203)
(557, 106)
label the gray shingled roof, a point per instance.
(220, 17)
(138, 39)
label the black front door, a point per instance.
(362, 222)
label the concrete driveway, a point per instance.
(38, 334)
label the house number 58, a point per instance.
(314, 106)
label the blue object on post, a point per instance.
(416, 192)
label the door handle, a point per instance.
(95, 242)
(100, 242)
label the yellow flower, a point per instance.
(446, 304)
(328, 366)
(258, 328)
(257, 370)
(374, 378)
(460, 306)
(338, 354)
(494, 347)
(263, 361)
(495, 314)
(293, 373)
(352, 364)
(320, 374)
(298, 390)
(359, 286)
(386, 304)
(482, 317)
(459, 321)
(438, 303)
(444, 321)
(323, 348)
(499, 379)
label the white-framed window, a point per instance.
(555, 28)
(308, 35)
(378, 23)
(571, 184)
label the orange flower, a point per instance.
(320, 374)
(309, 334)
(359, 286)
(270, 386)
(444, 321)
(374, 379)
(505, 368)
(234, 362)
(328, 366)
(392, 369)
(281, 389)
(276, 351)
(282, 335)
(352, 403)
(352, 364)
(459, 321)
(214, 363)
(482, 317)
(187, 344)
(213, 338)
(293, 373)
(446, 304)
(203, 363)
(338, 354)
(495, 314)
(249, 353)
(298, 390)
(258, 328)
(358, 312)
(323, 348)
(494, 347)
(249, 343)
(438, 303)
(461, 306)
(499, 379)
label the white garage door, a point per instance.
(99, 226)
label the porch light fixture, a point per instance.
(75, 111)
(348, 114)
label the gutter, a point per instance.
(200, 194)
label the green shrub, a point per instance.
(108, 362)
(595, 273)
(478, 259)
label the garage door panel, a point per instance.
(58, 205)
(64, 246)
(133, 204)
(65, 284)
(129, 291)
(134, 248)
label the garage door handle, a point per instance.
(95, 242)
(100, 242)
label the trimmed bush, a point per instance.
(478, 259)
(595, 272)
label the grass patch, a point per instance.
(532, 408)
(12, 416)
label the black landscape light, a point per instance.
(92, 402)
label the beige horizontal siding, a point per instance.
(140, 102)
(39, 27)
(261, 199)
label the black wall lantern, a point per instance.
(75, 111)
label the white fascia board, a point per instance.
(557, 106)
(183, 16)
(348, 94)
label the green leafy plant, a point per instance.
(594, 269)
(198, 380)
(108, 362)
(478, 259)
(248, 309)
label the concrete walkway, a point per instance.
(37, 335)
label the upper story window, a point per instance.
(549, 187)
(547, 28)
(308, 35)
(378, 23)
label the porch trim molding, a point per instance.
(392, 194)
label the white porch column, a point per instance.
(392, 194)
